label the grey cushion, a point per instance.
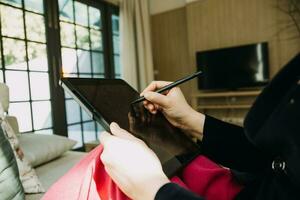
(10, 184)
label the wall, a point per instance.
(159, 6)
(222, 23)
(211, 24)
(170, 46)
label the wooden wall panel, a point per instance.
(214, 24)
(170, 47)
(210, 24)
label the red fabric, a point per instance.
(88, 180)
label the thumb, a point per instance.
(119, 132)
(104, 138)
(157, 98)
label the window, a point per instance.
(82, 39)
(24, 63)
(116, 44)
(82, 56)
(83, 31)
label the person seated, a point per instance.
(267, 148)
(263, 155)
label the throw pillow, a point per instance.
(39, 149)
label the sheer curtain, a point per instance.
(136, 50)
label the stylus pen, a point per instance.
(171, 85)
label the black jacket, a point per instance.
(267, 148)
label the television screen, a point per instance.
(234, 67)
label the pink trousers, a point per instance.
(88, 180)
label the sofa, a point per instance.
(50, 172)
(50, 155)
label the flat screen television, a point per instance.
(233, 68)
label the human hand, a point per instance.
(131, 164)
(175, 108)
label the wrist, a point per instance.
(195, 124)
(149, 190)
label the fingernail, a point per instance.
(114, 125)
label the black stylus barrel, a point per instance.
(170, 86)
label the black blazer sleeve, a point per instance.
(228, 145)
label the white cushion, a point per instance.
(39, 148)
(4, 96)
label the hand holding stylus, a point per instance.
(171, 85)
(175, 108)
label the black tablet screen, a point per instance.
(110, 101)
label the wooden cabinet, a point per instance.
(228, 106)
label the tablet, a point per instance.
(109, 100)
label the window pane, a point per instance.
(95, 17)
(70, 75)
(69, 60)
(18, 85)
(100, 129)
(81, 15)
(37, 56)
(98, 63)
(85, 116)
(1, 76)
(39, 83)
(117, 64)
(74, 133)
(85, 76)
(42, 115)
(116, 41)
(17, 3)
(73, 111)
(67, 34)
(82, 37)
(35, 27)
(89, 131)
(12, 22)
(22, 112)
(14, 54)
(66, 10)
(115, 24)
(96, 40)
(84, 61)
(33, 5)
(98, 76)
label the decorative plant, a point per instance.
(292, 9)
